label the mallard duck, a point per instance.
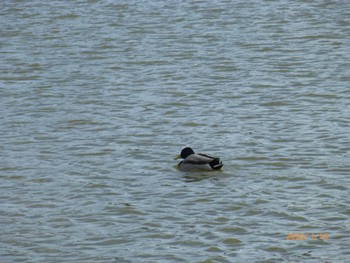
(197, 161)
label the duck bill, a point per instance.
(177, 157)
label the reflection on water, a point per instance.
(198, 176)
(98, 97)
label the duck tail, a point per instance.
(216, 164)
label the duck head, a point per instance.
(185, 153)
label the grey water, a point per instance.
(97, 97)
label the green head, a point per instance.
(186, 152)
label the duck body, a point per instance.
(198, 162)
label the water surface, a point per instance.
(97, 97)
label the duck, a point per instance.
(197, 161)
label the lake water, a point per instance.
(97, 97)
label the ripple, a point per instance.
(93, 111)
(232, 242)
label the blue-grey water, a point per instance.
(97, 97)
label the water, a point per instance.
(97, 97)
